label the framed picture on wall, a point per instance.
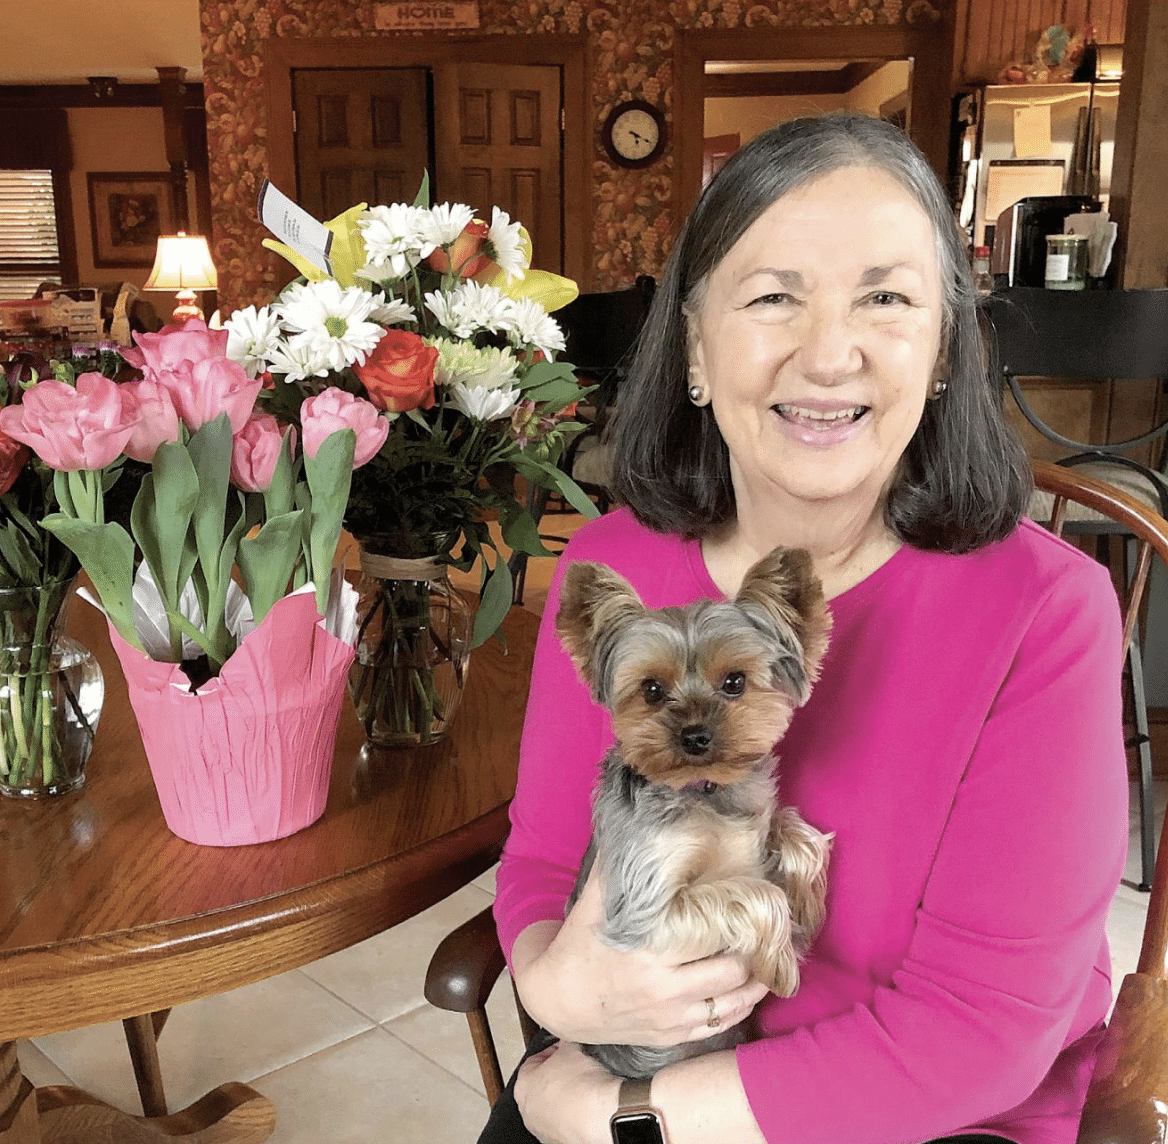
(128, 210)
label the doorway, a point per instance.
(807, 58)
(497, 120)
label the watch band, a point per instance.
(636, 1121)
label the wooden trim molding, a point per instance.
(930, 48)
(283, 55)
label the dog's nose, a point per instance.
(696, 739)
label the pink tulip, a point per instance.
(335, 409)
(212, 386)
(155, 418)
(70, 429)
(175, 348)
(255, 451)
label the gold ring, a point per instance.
(712, 1018)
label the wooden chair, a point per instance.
(1094, 335)
(1128, 1098)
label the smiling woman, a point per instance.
(811, 375)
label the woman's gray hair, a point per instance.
(964, 479)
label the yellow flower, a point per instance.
(551, 291)
(347, 254)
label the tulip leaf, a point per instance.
(106, 553)
(494, 602)
(267, 560)
(329, 475)
(210, 452)
(281, 489)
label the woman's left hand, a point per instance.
(566, 1097)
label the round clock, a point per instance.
(634, 133)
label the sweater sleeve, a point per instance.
(565, 735)
(1010, 926)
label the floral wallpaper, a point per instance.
(631, 55)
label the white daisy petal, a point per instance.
(444, 223)
(483, 404)
(296, 362)
(333, 320)
(530, 325)
(505, 246)
(252, 335)
(394, 241)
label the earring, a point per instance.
(939, 387)
(697, 395)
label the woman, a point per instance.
(812, 375)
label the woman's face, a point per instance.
(818, 340)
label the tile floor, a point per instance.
(347, 1048)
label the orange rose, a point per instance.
(399, 374)
(13, 457)
(465, 257)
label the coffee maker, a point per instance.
(1019, 251)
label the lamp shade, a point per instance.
(182, 262)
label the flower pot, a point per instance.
(413, 650)
(51, 693)
(247, 757)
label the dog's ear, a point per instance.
(596, 604)
(782, 596)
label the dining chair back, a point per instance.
(1128, 1097)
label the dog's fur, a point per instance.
(695, 856)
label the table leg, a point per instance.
(59, 1114)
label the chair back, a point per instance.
(1096, 335)
(1150, 530)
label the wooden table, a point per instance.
(104, 914)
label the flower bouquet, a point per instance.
(234, 636)
(436, 318)
(51, 688)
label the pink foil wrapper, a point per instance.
(247, 758)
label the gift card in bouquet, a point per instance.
(293, 225)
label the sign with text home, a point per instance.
(449, 14)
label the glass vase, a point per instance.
(413, 649)
(51, 694)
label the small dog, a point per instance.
(695, 856)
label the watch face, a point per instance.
(635, 134)
(636, 1128)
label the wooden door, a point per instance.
(362, 135)
(497, 143)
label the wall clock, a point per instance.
(634, 133)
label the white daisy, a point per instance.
(505, 246)
(393, 312)
(394, 241)
(470, 307)
(333, 320)
(442, 224)
(529, 324)
(297, 361)
(252, 335)
(484, 404)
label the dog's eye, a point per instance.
(734, 684)
(653, 692)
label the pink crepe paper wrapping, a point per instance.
(247, 758)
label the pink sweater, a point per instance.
(964, 743)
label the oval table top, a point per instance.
(105, 914)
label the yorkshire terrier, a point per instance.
(695, 856)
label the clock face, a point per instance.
(634, 134)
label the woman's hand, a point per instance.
(581, 989)
(566, 1097)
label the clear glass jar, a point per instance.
(1066, 262)
(413, 648)
(51, 695)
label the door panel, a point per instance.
(361, 136)
(498, 144)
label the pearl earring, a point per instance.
(939, 387)
(697, 395)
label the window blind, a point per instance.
(29, 254)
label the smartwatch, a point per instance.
(636, 1121)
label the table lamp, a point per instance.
(183, 263)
